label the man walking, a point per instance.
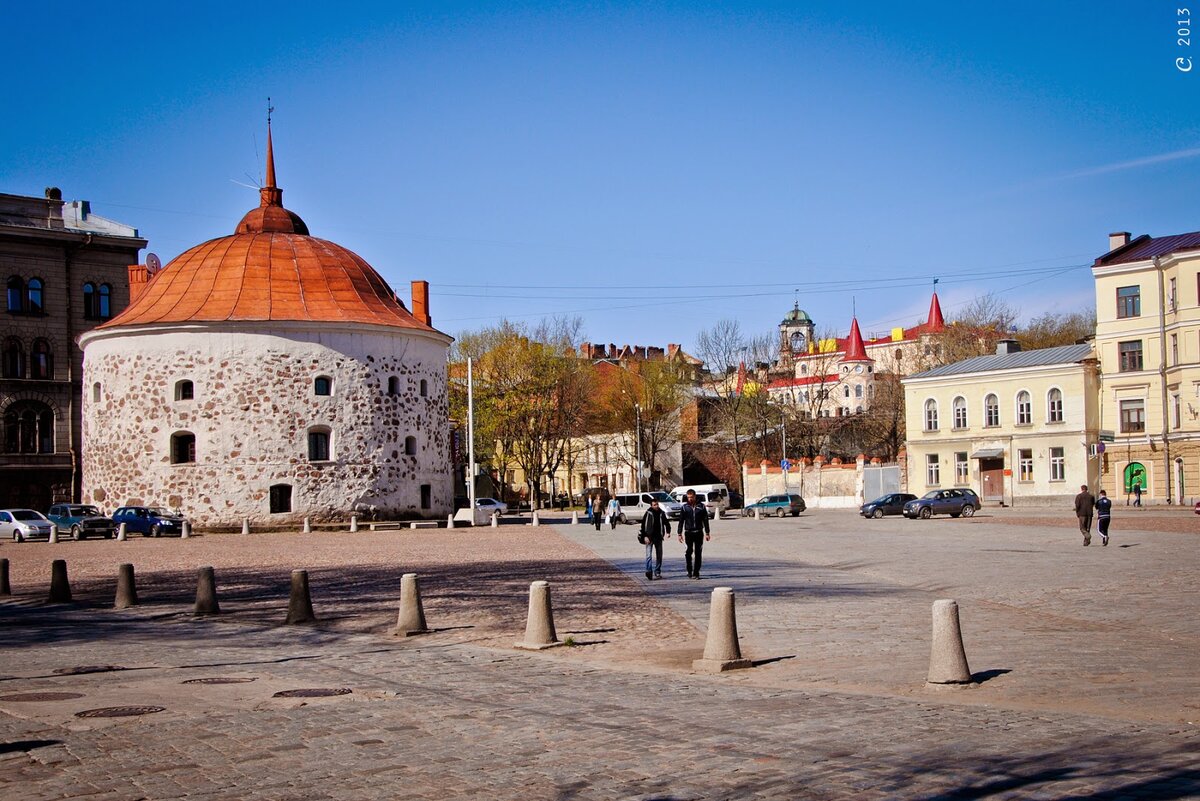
(693, 530)
(596, 514)
(655, 526)
(1084, 503)
(1103, 515)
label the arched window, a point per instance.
(991, 411)
(96, 392)
(90, 309)
(858, 390)
(323, 385)
(318, 444)
(410, 446)
(424, 388)
(185, 390)
(931, 415)
(13, 358)
(33, 295)
(42, 363)
(105, 302)
(183, 447)
(393, 385)
(281, 498)
(847, 389)
(1054, 406)
(16, 294)
(803, 369)
(1024, 408)
(29, 428)
(960, 412)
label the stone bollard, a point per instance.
(353, 523)
(300, 602)
(5, 587)
(713, 517)
(535, 520)
(60, 587)
(575, 518)
(721, 649)
(121, 533)
(539, 627)
(53, 538)
(245, 525)
(307, 526)
(206, 593)
(757, 513)
(495, 521)
(449, 521)
(186, 530)
(411, 620)
(126, 588)
(947, 658)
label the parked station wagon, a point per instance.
(81, 521)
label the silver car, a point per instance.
(22, 524)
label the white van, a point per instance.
(714, 496)
(634, 505)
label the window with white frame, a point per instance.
(1058, 465)
(1133, 416)
(933, 471)
(1054, 406)
(960, 412)
(1024, 409)
(962, 468)
(1025, 464)
(991, 411)
(931, 415)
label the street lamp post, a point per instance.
(637, 412)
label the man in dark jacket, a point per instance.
(693, 530)
(1084, 503)
(1103, 516)
(655, 526)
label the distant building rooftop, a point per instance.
(1147, 247)
(1063, 354)
(51, 213)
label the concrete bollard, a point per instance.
(535, 520)
(206, 593)
(307, 526)
(60, 587)
(186, 530)
(121, 535)
(53, 538)
(713, 517)
(411, 620)
(575, 518)
(947, 658)
(721, 649)
(353, 523)
(126, 588)
(539, 626)
(5, 587)
(449, 521)
(757, 513)
(495, 521)
(245, 525)
(300, 602)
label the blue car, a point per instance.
(149, 521)
(778, 505)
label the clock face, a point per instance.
(798, 341)
(858, 368)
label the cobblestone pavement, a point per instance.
(458, 714)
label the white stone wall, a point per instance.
(253, 407)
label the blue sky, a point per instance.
(652, 167)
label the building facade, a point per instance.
(1148, 341)
(1016, 427)
(65, 272)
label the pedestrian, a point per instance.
(596, 514)
(1103, 515)
(588, 507)
(693, 531)
(655, 526)
(613, 512)
(1084, 503)
(1137, 492)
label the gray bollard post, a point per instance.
(206, 593)
(947, 657)
(5, 587)
(535, 521)
(186, 530)
(495, 521)
(307, 526)
(539, 626)
(53, 538)
(411, 620)
(353, 523)
(245, 525)
(300, 608)
(575, 518)
(121, 535)
(757, 513)
(126, 588)
(721, 649)
(449, 521)
(60, 587)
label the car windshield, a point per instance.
(27, 514)
(931, 496)
(83, 511)
(662, 497)
(158, 511)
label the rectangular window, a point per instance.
(1174, 349)
(1175, 409)
(1025, 464)
(318, 446)
(1171, 304)
(962, 468)
(1129, 301)
(426, 496)
(1133, 416)
(281, 498)
(1130, 354)
(1058, 465)
(933, 472)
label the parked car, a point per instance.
(491, 506)
(891, 504)
(81, 521)
(635, 505)
(713, 496)
(778, 505)
(21, 524)
(149, 521)
(953, 502)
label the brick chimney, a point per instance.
(420, 302)
(1117, 240)
(139, 277)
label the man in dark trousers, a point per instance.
(1103, 515)
(655, 526)
(1084, 503)
(693, 530)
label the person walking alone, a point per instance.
(693, 531)
(614, 512)
(597, 515)
(1137, 492)
(1084, 503)
(655, 526)
(1103, 515)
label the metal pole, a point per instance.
(470, 439)
(637, 411)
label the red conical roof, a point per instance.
(935, 323)
(855, 350)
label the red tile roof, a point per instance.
(1147, 247)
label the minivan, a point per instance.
(714, 496)
(635, 505)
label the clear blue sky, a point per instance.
(652, 167)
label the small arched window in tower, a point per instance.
(34, 296)
(281, 498)
(91, 310)
(858, 390)
(410, 446)
(104, 302)
(323, 385)
(96, 392)
(393, 385)
(185, 390)
(424, 388)
(16, 294)
(13, 359)
(42, 363)
(183, 447)
(803, 369)
(318, 444)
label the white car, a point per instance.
(491, 506)
(21, 524)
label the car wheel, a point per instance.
(926, 513)
(779, 513)
(76, 534)
(968, 511)
(795, 514)
(154, 532)
(17, 536)
(877, 513)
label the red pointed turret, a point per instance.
(855, 350)
(935, 324)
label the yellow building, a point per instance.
(1014, 427)
(1148, 342)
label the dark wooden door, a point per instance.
(991, 479)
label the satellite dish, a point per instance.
(153, 263)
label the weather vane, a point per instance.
(270, 109)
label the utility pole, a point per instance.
(637, 412)
(470, 440)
